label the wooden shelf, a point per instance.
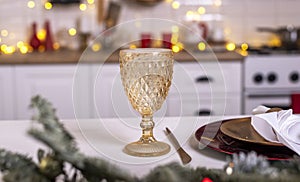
(74, 57)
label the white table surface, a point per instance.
(105, 138)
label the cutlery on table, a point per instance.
(185, 157)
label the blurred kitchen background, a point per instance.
(235, 20)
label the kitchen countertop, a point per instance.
(72, 57)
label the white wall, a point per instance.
(239, 18)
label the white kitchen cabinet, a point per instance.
(82, 91)
(206, 88)
(53, 82)
(6, 92)
(96, 90)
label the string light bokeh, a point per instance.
(10, 41)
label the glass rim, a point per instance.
(146, 50)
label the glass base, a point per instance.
(152, 149)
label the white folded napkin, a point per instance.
(281, 127)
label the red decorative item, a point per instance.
(295, 97)
(167, 40)
(145, 40)
(34, 41)
(48, 40)
(207, 180)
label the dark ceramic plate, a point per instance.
(241, 129)
(211, 136)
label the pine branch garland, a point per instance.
(17, 167)
(55, 136)
(54, 130)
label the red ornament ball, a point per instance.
(207, 180)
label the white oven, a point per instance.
(271, 80)
(274, 100)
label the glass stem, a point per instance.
(147, 125)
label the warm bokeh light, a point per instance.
(3, 47)
(274, 42)
(90, 1)
(243, 53)
(72, 31)
(30, 4)
(23, 49)
(41, 48)
(56, 46)
(4, 33)
(82, 7)
(168, 1)
(175, 48)
(41, 34)
(244, 46)
(230, 46)
(132, 46)
(156, 43)
(174, 38)
(218, 3)
(201, 46)
(0, 40)
(30, 49)
(201, 10)
(96, 47)
(20, 44)
(189, 13)
(8, 49)
(180, 45)
(175, 5)
(48, 5)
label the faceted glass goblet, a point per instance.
(146, 75)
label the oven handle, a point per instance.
(267, 96)
(204, 79)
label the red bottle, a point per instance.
(146, 40)
(48, 40)
(34, 41)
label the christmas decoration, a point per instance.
(64, 151)
(66, 163)
(206, 180)
(34, 42)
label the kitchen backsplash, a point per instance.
(237, 18)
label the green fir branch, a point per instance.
(55, 136)
(19, 168)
